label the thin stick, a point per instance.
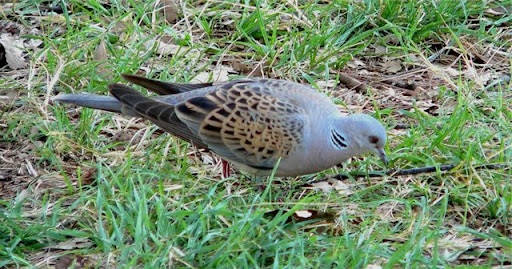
(352, 83)
(415, 171)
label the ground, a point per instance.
(93, 189)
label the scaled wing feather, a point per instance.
(243, 121)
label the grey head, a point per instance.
(359, 134)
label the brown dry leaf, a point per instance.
(341, 187)
(53, 18)
(392, 66)
(13, 51)
(64, 262)
(386, 210)
(74, 243)
(480, 78)
(162, 48)
(170, 10)
(322, 185)
(380, 49)
(247, 68)
(49, 181)
(452, 72)
(326, 84)
(332, 184)
(201, 77)
(285, 22)
(227, 17)
(356, 64)
(100, 53)
(72, 261)
(219, 73)
(455, 246)
(88, 176)
(120, 27)
(166, 49)
(8, 98)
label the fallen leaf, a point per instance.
(88, 176)
(332, 184)
(73, 261)
(341, 187)
(54, 18)
(326, 84)
(73, 243)
(64, 262)
(9, 97)
(219, 73)
(207, 159)
(355, 63)
(480, 78)
(322, 185)
(241, 66)
(13, 52)
(120, 26)
(452, 72)
(286, 21)
(386, 210)
(170, 10)
(227, 17)
(100, 53)
(201, 77)
(162, 48)
(380, 49)
(392, 66)
(303, 214)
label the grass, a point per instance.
(109, 191)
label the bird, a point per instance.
(257, 124)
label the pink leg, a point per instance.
(225, 169)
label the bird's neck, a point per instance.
(326, 153)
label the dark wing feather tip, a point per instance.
(203, 103)
(161, 87)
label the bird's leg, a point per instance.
(226, 169)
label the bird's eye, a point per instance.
(374, 139)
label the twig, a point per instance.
(352, 83)
(414, 171)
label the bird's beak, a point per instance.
(382, 155)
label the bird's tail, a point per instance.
(108, 103)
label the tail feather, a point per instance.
(107, 103)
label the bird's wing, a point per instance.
(161, 114)
(164, 88)
(246, 122)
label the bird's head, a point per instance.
(365, 134)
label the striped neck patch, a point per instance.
(338, 140)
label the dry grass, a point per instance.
(96, 189)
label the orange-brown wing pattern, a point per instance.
(245, 122)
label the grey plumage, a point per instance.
(108, 103)
(252, 122)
